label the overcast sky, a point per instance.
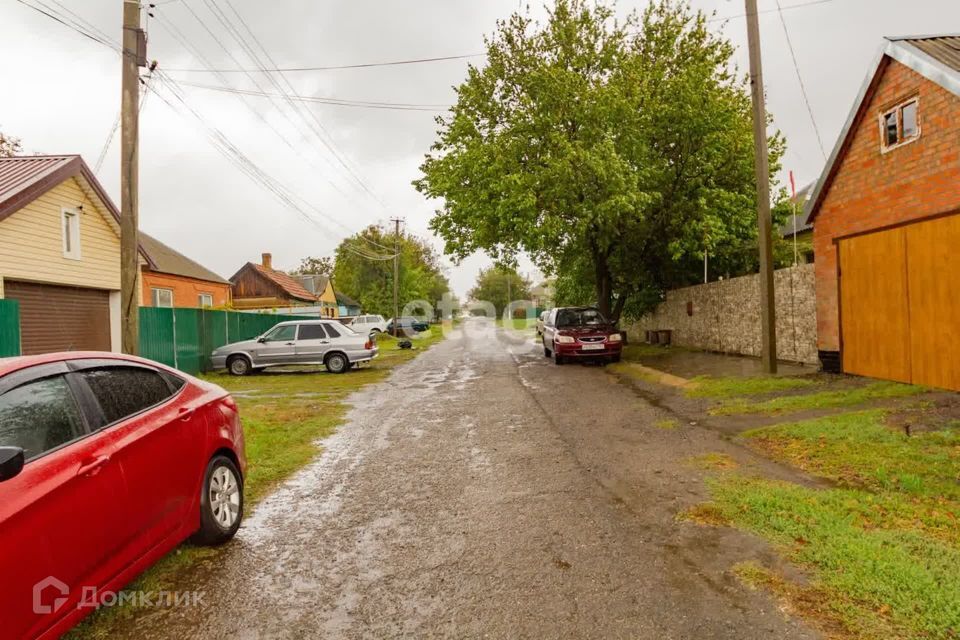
(61, 94)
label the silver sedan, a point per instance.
(310, 342)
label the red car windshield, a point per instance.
(580, 318)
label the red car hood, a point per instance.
(595, 330)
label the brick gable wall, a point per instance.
(872, 190)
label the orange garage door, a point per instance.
(900, 315)
(55, 318)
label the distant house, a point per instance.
(542, 295)
(348, 307)
(886, 221)
(260, 286)
(797, 229)
(173, 280)
(60, 254)
(322, 287)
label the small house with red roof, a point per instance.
(260, 286)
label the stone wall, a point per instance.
(724, 316)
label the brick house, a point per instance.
(173, 280)
(886, 218)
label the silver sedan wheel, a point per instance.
(224, 497)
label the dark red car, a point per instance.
(580, 333)
(107, 462)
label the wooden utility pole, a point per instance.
(396, 276)
(768, 312)
(134, 56)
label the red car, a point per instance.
(107, 462)
(580, 333)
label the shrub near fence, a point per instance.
(184, 338)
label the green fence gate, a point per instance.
(184, 338)
(9, 328)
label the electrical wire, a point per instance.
(398, 106)
(220, 141)
(803, 88)
(364, 65)
(320, 130)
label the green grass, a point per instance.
(634, 352)
(883, 546)
(821, 400)
(729, 387)
(667, 424)
(517, 323)
(859, 449)
(284, 415)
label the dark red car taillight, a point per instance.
(368, 345)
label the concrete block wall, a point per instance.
(724, 316)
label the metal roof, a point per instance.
(286, 282)
(934, 57)
(23, 179)
(167, 260)
(944, 49)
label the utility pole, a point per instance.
(134, 56)
(396, 276)
(768, 312)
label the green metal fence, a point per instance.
(9, 328)
(184, 338)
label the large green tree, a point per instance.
(612, 152)
(500, 285)
(360, 274)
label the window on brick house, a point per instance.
(900, 124)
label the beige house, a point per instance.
(60, 254)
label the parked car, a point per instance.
(368, 324)
(580, 333)
(540, 321)
(107, 462)
(409, 324)
(313, 342)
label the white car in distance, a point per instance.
(368, 324)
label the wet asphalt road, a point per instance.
(484, 492)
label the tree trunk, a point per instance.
(603, 285)
(618, 308)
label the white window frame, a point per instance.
(205, 305)
(898, 110)
(71, 217)
(155, 298)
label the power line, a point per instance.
(220, 141)
(400, 106)
(331, 145)
(364, 65)
(803, 88)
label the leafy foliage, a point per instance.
(9, 146)
(371, 281)
(315, 266)
(612, 153)
(492, 286)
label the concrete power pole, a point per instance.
(768, 312)
(134, 56)
(396, 276)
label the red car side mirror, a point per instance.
(11, 462)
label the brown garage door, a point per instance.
(900, 315)
(54, 318)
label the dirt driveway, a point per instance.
(483, 491)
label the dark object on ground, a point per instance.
(405, 344)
